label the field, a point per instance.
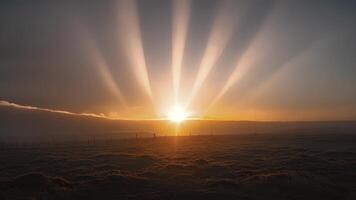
(245, 166)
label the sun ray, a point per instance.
(132, 40)
(181, 14)
(107, 76)
(248, 60)
(221, 31)
(102, 67)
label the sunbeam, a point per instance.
(137, 59)
(106, 75)
(90, 47)
(270, 41)
(249, 58)
(132, 42)
(181, 14)
(221, 31)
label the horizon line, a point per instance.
(5, 103)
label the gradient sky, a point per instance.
(240, 60)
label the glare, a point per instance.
(177, 114)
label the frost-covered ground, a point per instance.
(259, 166)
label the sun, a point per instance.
(177, 114)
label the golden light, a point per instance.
(177, 114)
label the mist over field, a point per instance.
(250, 166)
(46, 155)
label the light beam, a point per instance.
(106, 75)
(101, 66)
(181, 14)
(131, 38)
(221, 31)
(248, 60)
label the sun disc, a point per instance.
(177, 114)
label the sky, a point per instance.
(237, 60)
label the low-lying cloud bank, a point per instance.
(15, 105)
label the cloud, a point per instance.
(15, 105)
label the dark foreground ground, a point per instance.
(273, 166)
